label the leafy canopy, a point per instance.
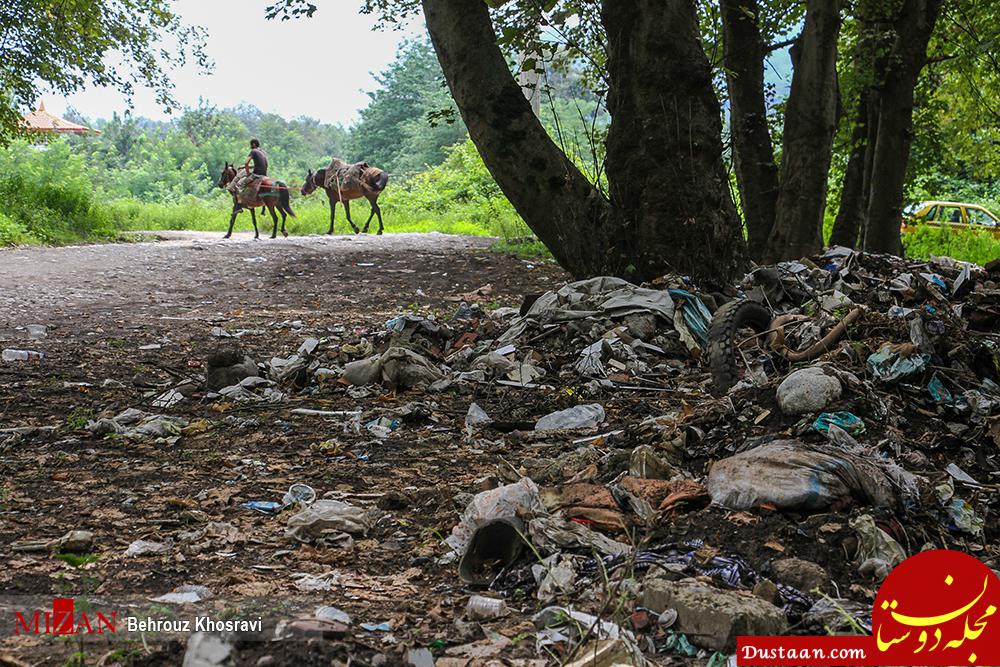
(65, 44)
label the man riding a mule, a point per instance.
(245, 187)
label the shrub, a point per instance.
(971, 245)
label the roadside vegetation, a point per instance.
(140, 174)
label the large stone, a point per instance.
(808, 390)
(710, 617)
(801, 574)
(225, 368)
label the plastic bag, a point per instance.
(790, 475)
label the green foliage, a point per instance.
(12, 233)
(47, 197)
(457, 197)
(411, 118)
(163, 161)
(63, 45)
(977, 246)
(79, 560)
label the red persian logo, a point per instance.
(936, 608)
(63, 620)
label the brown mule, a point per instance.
(372, 182)
(272, 194)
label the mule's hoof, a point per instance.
(285, 234)
(226, 237)
(273, 237)
(378, 233)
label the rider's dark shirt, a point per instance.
(259, 158)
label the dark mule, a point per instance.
(272, 193)
(373, 182)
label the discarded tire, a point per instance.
(723, 336)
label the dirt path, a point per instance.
(127, 321)
(184, 269)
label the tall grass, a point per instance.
(969, 245)
(47, 197)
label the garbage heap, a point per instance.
(652, 512)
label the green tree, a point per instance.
(411, 118)
(65, 44)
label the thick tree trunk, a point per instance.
(853, 199)
(753, 151)
(667, 180)
(810, 125)
(567, 213)
(891, 153)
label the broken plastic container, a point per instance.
(579, 416)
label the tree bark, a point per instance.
(567, 213)
(753, 151)
(810, 125)
(891, 152)
(665, 171)
(853, 199)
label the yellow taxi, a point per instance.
(950, 214)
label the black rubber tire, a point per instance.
(723, 360)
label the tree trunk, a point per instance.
(753, 151)
(895, 124)
(665, 171)
(853, 199)
(810, 125)
(559, 204)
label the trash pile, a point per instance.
(673, 468)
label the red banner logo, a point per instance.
(936, 608)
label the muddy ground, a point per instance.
(127, 321)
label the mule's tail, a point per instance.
(284, 201)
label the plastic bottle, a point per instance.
(21, 355)
(482, 608)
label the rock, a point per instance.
(712, 618)
(228, 367)
(766, 590)
(75, 542)
(808, 390)
(801, 574)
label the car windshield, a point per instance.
(980, 217)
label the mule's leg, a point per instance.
(283, 216)
(232, 221)
(370, 216)
(333, 214)
(274, 216)
(378, 212)
(253, 216)
(347, 209)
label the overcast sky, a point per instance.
(318, 67)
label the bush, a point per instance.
(12, 233)
(971, 245)
(48, 197)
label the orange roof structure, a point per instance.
(42, 121)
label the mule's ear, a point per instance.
(310, 173)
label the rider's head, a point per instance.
(254, 143)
